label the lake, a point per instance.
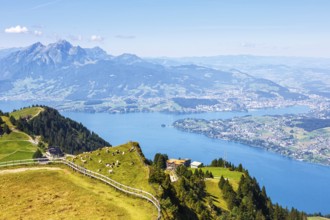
(290, 183)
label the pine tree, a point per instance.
(12, 120)
(221, 182)
(6, 129)
(37, 154)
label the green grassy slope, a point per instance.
(62, 194)
(212, 184)
(16, 145)
(130, 171)
(317, 218)
(32, 112)
(233, 176)
(216, 194)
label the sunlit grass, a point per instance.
(216, 194)
(16, 146)
(233, 176)
(33, 111)
(131, 170)
(317, 218)
(62, 194)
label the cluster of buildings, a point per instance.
(172, 164)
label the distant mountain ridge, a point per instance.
(307, 74)
(66, 73)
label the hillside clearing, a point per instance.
(233, 176)
(212, 187)
(27, 112)
(118, 163)
(16, 146)
(62, 194)
(216, 194)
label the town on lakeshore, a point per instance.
(298, 137)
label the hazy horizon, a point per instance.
(160, 56)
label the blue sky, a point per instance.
(172, 27)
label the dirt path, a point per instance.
(28, 168)
(31, 140)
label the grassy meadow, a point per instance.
(62, 194)
(233, 176)
(216, 194)
(317, 218)
(16, 146)
(33, 111)
(212, 184)
(130, 170)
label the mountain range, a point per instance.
(87, 77)
(305, 74)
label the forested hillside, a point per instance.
(189, 198)
(56, 130)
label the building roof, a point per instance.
(55, 151)
(176, 161)
(196, 163)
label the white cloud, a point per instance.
(37, 33)
(96, 38)
(16, 30)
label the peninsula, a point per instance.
(297, 137)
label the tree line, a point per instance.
(4, 128)
(251, 202)
(187, 198)
(70, 136)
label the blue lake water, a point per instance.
(290, 183)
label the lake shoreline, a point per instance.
(267, 167)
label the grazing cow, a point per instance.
(110, 171)
(100, 161)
